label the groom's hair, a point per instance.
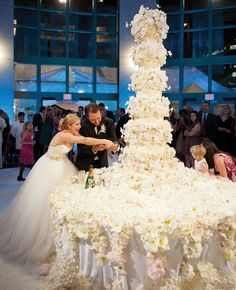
(92, 108)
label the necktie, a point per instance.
(204, 124)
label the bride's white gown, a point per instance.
(25, 227)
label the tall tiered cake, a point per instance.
(150, 223)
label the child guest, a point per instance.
(198, 152)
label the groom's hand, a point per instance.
(96, 148)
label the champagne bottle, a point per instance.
(90, 181)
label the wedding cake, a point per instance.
(149, 223)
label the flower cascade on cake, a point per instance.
(148, 204)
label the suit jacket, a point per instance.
(120, 124)
(86, 156)
(37, 124)
(210, 127)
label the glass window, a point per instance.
(52, 4)
(25, 17)
(224, 42)
(196, 44)
(81, 5)
(53, 44)
(224, 78)
(25, 77)
(195, 20)
(174, 22)
(223, 17)
(106, 46)
(173, 79)
(81, 79)
(53, 20)
(106, 80)
(53, 78)
(169, 5)
(172, 43)
(106, 24)
(81, 22)
(219, 3)
(28, 106)
(29, 3)
(80, 45)
(107, 6)
(195, 4)
(25, 42)
(195, 79)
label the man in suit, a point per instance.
(208, 122)
(37, 124)
(99, 127)
(123, 119)
(109, 114)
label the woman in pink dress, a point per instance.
(224, 163)
(26, 153)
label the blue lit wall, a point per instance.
(6, 57)
(127, 11)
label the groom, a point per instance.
(96, 126)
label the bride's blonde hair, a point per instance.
(67, 120)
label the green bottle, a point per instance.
(90, 181)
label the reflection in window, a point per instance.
(224, 42)
(196, 44)
(219, 3)
(81, 22)
(29, 3)
(25, 77)
(81, 5)
(106, 80)
(106, 24)
(195, 20)
(195, 79)
(107, 6)
(53, 20)
(28, 106)
(174, 22)
(173, 79)
(25, 17)
(80, 79)
(169, 5)
(106, 46)
(172, 43)
(25, 42)
(195, 4)
(224, 78)
(223, 17)
(53, 44)
(52, 4)
(53, 78)
(80, 45)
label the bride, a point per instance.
(25, 228)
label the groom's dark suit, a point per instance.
(86, 156)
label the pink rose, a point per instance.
(155, 268)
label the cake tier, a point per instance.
(149, 54)
(149, 24)
(145, 80)
(147, 131)
(148, 106)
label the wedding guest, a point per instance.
(26, 227)
(109, 114)
(56, 121)
(180, 128)
(2, 126)
(37, 124)
(80, 113)
(98, 127)
(46, 132)
(123, 119)
(5, 138)
(208, 122)
(192, 137)
(198, 152)
(224, 163)
(16, 131)
(26, 153)
(225, 130)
